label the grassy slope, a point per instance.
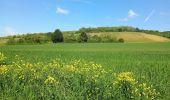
(134, 36)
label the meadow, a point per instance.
(85, 71)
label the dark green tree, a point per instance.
(137, 29)
(83, 37)
(57, 36)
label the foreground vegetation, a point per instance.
(85, 71)
(73, 80)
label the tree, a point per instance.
(83, 37)
(137, 29)
(57, 36)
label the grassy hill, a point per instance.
(96, 37)
(132, 36)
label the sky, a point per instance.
(28, 16)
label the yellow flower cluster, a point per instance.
(69, 68)
(126, 81)
(3, 69)
(50, 80)
(126, 76)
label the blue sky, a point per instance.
(23, 16)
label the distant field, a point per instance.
(148, 61)
(3, 40)
(133, 36)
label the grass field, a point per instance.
(133, 36)
(133, 63)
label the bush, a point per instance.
(95, 39)
(121, 40)
(70, 38)
(11, 41)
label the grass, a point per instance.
(145, 62)
(133, 36)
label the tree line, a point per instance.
(54, 37)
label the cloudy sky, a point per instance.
(23, 16)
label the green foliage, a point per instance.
(2, 58)
(36, 38)
(70, 37)
(76, 79)
(121, 40)
(95, 39)
(11, 41)
(57, 36)
(83, 37)
(155, 32)
(108, 29)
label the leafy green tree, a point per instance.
(57, 36)
(137, 29)
(83, 37)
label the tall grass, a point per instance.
(72, 80)
(145, 64)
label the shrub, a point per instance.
(95, 38)
(11, 41)
(121, 40)
(70, 38)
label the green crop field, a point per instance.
(85, 71)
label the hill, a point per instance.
(132, 36)
(95, 35)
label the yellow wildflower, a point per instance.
(126, 76)
(69, 68)
(50, 80)
(3, 69)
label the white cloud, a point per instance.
(132, 14)
(62, 11)
(149, 16)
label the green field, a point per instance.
(149, 63)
